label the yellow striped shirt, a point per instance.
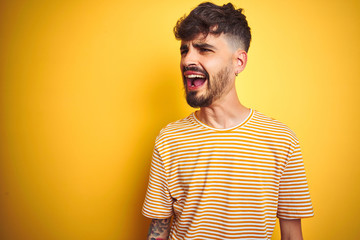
(227, 183)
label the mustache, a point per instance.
(195, 69)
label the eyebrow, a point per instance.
(184, 47)
(198, 45)
(204, 45)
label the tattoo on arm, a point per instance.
(159, 229)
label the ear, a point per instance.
(240, 61)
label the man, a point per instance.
(225, 171)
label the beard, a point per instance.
(216, 87)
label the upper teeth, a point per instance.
(195, 76)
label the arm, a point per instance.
(159, 229)
(290, 229)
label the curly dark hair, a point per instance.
(208, 18)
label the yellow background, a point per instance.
(85, 86)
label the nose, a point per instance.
(190, 58)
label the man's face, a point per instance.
(207, 66)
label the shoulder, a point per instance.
(268, 125)
(177, 128)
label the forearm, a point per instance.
(290, 229)
(159, 229)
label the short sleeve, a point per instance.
(294, 197)
(158, 201)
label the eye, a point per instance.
(182, 52)
(205, 50)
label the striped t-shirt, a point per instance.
(227, 183)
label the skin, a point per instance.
(290, 229)
(226, 110)
(159, 229)
(216, 55)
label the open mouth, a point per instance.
(194, 80)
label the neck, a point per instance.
(225, 112)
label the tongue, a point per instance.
(199, 81)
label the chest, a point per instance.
(233, 161)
